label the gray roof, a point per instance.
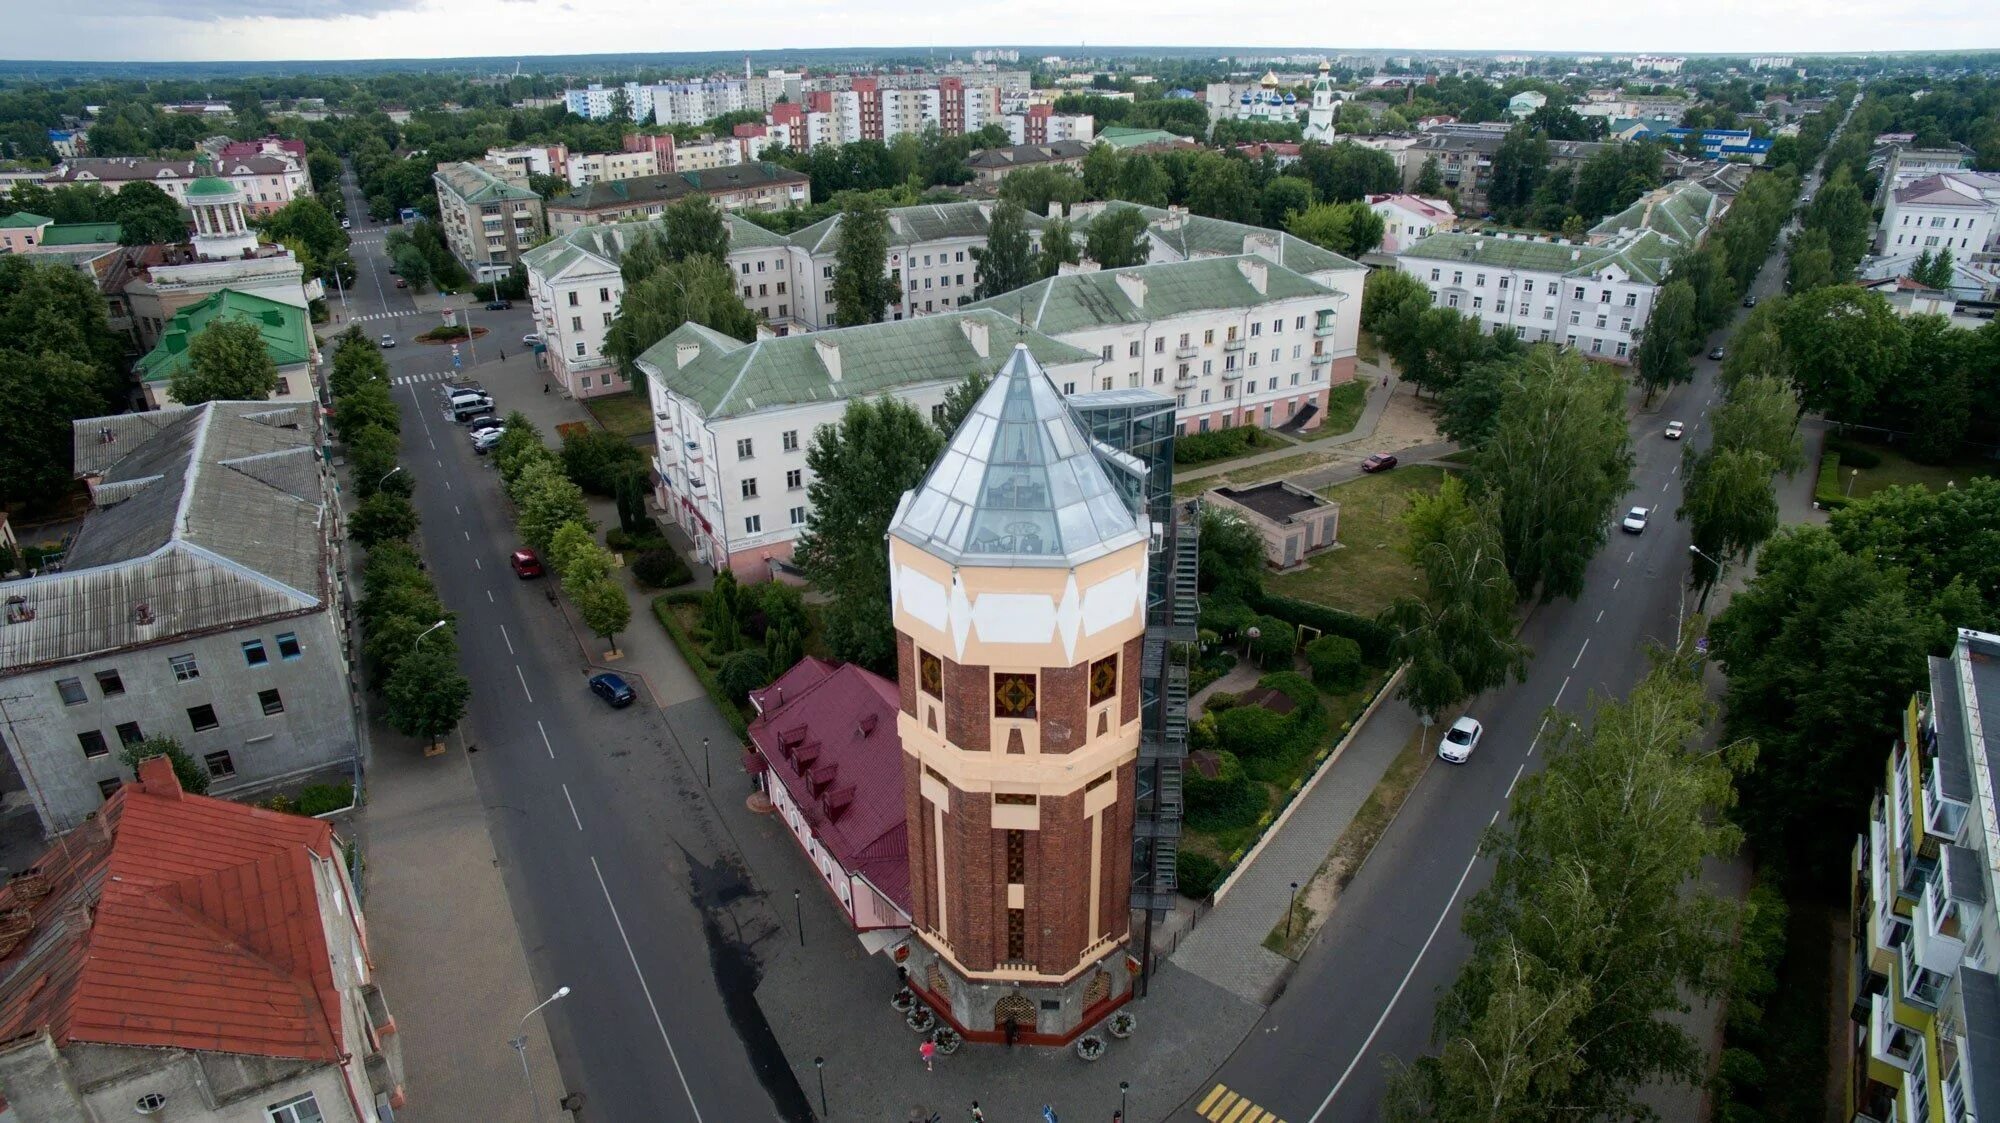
(118, 169)
(1019, 484)
(929, 222)
(1680, 211)
(1980, 1061)
(1028, 155)
(648, 189)
(1642, 253)
(205, 516)
(1140, 294)
(473, 183)
(727, 377)
(1965, 872)
(1954, 762)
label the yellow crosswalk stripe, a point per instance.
(1237, 1115)
(1221, 1105)
(1207, 1101)
(1228, 1099)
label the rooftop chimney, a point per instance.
(975, 332)
(829, 356)
(156, 777)
(1256, 272)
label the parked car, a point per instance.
(1460, 740)
(388, 340)
(525, 563)
(532, 338)
(1635, 520)
(1715, 352)
(498, 305)
(484, 440)
(484, 424)
(613, 689)
(1674, 430)
(401, 283)
(450, 390)
(462, 412)
(1749, 302)
(1380, 462)
(345, 224)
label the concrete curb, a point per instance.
(1305, 789)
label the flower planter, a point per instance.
(947, 1040)
(920, 1019)
(1121, 1025)
(903, 1000)
(1090, 1047)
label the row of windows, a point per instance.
(1937, 222)
(794, 480)
(944, 281)
(754, 524)
(746, 447)
(1479, 281)
(110, 684)
(1930, 240)
(201, 719)
(1249, 412)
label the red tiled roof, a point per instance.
(256, 147)
(176, 921)
(829, 733)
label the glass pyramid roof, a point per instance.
(1019, 484)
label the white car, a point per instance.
(346, 225)
(388, 340)
(532, 338)
(1460, 740)
(1635, 520)
(1675, 429)
(484, 440)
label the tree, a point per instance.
(227, 361)
(1430, 179)
(371, 458)
(1351, 229)
(1730, 506)
(1058, 246)
(426, 695)
(1518, 165)
(698, 290)
(148, 216)
(189, 771)
(694, 227)
(1469, 408)
(1839, 212)
(1559, 461)
(1933, 270)
(39, 397)
(1760, 414)
(959, 400)
(1343, 171)
(412, 267)
(1230, 558)
(1386, 293)
(621, 107)
(1006, 262)
(1809, 262)
(859, 470)
(1841, 344)
(382, 517)
(1033, 189)
(1283, 197)
(367, 406)
(604, 609)
(596, 460)
(862, 286)
(1458, 638)
(1219, 186)
(545, 500)
(1671, 335)
(722, 614)
(1117, 238)
(576, 557)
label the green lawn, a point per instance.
(628, 414)
(1256, 473)
(1344, 404)
(1897, 470)
(1368, 570)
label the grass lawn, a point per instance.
(1366, 349)
(1256, 473)
(1368, 571)
(628, 414)
(1897, 470)
(1343, 409)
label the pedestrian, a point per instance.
(928, 1051)
(503, 356)
(545, 387)
(978, 1116)
(1013, 1030)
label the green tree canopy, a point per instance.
(1117, 238)
(227, 361)
(958, 401)
(148, 216)
(862, 287)
(1672, 333)
(697, 290)
(1007, 260)
(1351, 229)
(1458, 638)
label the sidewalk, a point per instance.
(1378, 400)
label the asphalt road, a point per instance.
(1366, 991)
(604, 842)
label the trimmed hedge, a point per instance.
(691, 651)
(1373, 637)
(1827, 492)
(1199, 874)
(1219, 444)
(1336, 663)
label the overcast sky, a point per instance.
(344, 29)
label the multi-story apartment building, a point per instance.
(1041, 124)
(584, 169)
(195, 960)
(732, 420)
(761, 186)
(1594, 296)
(594, 102)
(1407, 219)
(698, 101)
(532, 159)
(1658, 64)
(661, 145)
(267, 183)
(1926, 996)
(1957, 211)
(991, 165)
(871, 108)
(709, 152)
(489, 217)
(201, 599)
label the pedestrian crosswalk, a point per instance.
(1221, 1105)
(416, 379)
(364, 318)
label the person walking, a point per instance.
(978, 1116)
(928, 1051)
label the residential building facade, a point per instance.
(1957, 211)
(1925, 995)
(1407, 219)
(760, 186)
(992, 165)
(584, 169)
(286, 330)
(200, 599)
(733, 420)
(531, 159)
(267, 183)
(193, 959)
(488, 216)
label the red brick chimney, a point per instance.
(156, 777)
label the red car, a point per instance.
(525, 564)
(1380, 462)
(401, 283)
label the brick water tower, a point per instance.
(1018, 578)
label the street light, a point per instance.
(708, 770)
(386, 475)
(819, 1066)
(425, 632)
(520, 1044)
(1702, 604)
(1124, 1086)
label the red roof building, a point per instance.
(265, 146)
(197, 947)
(825, 738)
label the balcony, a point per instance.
(1943, 815)
(1921, 986)
(1323, 329)
(1322, 360)
(1186, 352)
(1232, 374)
(1232, 345)
(1184, 381)
(1889, 1043)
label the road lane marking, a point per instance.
(1579, 653)
(455, 510)
(1675, 471)
(1516, 779)
(545, 739)
(1600, 617)
(440, 463)
(489, 597)
(1614, 583)
(1537, 739)
(572, 808)
(1400, 987)
(1630, 556)
(476, 565)
(506, 639)
(648, 990)
(468, 535)
(1557, 702)
(524, 683)
(447, 485)
(1665, 484)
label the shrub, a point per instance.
(1740, 1070)
(1230, 800)
(625, 541)
(1199, 874)
(318, 799)
(1220, 444)
(1252, 731)
(190, 772)
(1336, 663)
(742, 672)
(1275, 642)
(1219, 701)
(1827, 492)
(443, 334)
(1854, 455)
(594, 460)
(1373, 637)
(1226, 618)
(660, 569)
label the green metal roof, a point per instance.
(640, 190)
(287, 335)
(607, 242)
(1192, 235)
(210, 185)
(81, 233)
(730, 378)
(21, 220)
(1644, 254)
(475, 184)
(1681, 214)
(1081, 301)
(929, 222)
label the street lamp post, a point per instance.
(520, 1044)
(425, 632)
(1702, 604)
(819, 1066)
(386, 475)
(1124, 1086)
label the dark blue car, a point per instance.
(612, 688)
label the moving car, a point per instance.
(532, 338)
(388, 340)
(612, 688)
(1674, 430)
(1715, 352)
(1460, 740)
(1749, 302)
(1380, 462)
(498, 305)
(345, 224)
(525, 564)
(1635, 520)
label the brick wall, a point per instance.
(1063, 707)
(1059, 884)
(1129, 667)
(968, 712)
(923, 871)
(906, 673)
(978, 898)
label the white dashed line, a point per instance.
(476, 564)
(661, 1025)
(1516, 779)
(572, 808)
(1573, 662)
(468, 535)
(489, 597)
(1614, 584)
(531, 696)
(506, 639)
(545, 739)
(1630, 556)
(1557, 702)
(1600, 617)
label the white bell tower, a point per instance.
(1319, 119)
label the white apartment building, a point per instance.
(532, 159)
(708, 153)
(1034, 127)
(1658, 64)
(1957, 211)
(488, 216)
(266, 182)
(609, 167)
(1407, 219)
(692, 103)
(732, 420)
(1594, 297)
(593, 103)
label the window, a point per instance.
(1569, 341)
(1479, 281)
(1436, 275)
(607, 319)
(604, 296)
(572, 300)
(304, 1109)
(795, 479)
(1104, 352)
(1159, 344)
(273, 705)
(1017, 854)
(284, 386)
(1631, 300)
(1105, 383)
(754, 524)
(93, 743)
(1578, 294)
(1159, 375)
(760, 267)
(1184, 338)
(1600, 323)
(1503, 282)
(109, 788)
(128, 733)
(1229, 393)
(1625, 324)
(1597, 346)
(1478, 302)
(576, 322)
(1208, 337)
(253, 653)
(1013, 695)
(1132, 349)
(750, 488)
(763, 290)
(798, 516)
(1458, 276)
(826, 271)
(184, 667)
(579, 350)
(1208, 366)
(1575, 316)
(1621, 350)
(1604, 296)
(1256, 327)
(743, 448)
(220, 767)
(71, 690)
(1017, 935)
(202, 717)
(1452, 301)
(781, 288)
(1204, 397)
